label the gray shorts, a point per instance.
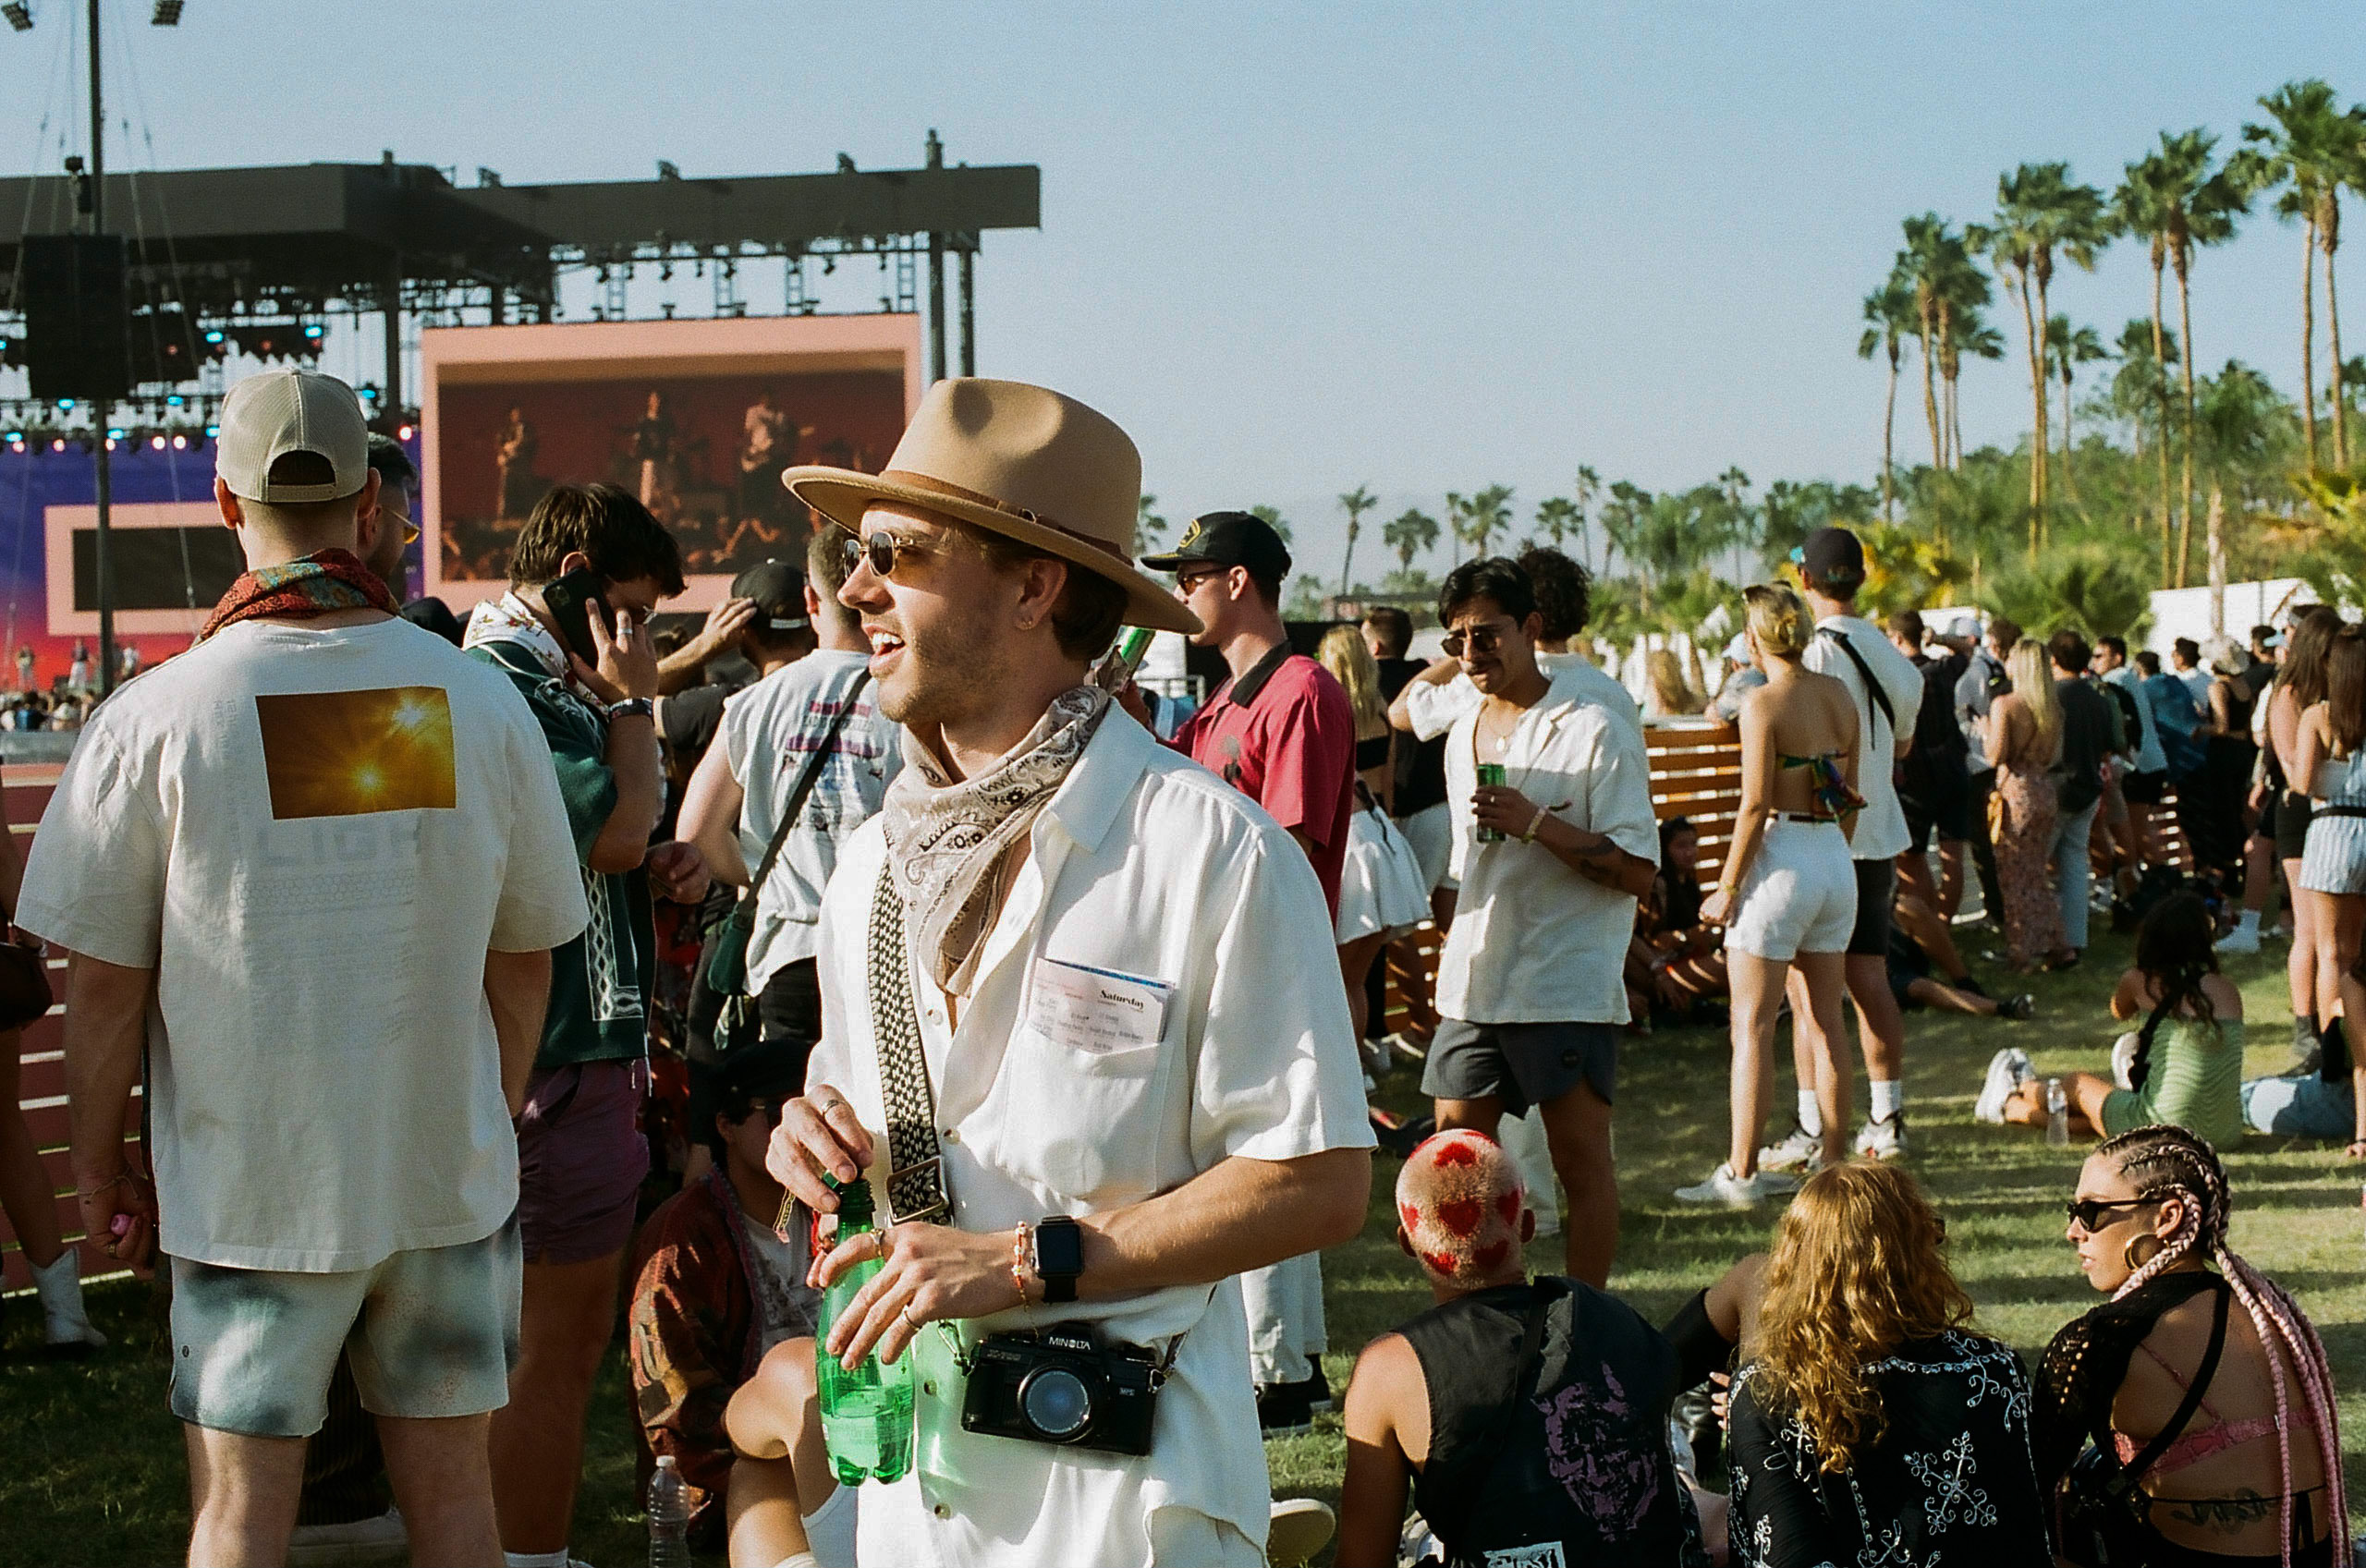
(1521, 1064)
(431, 1334)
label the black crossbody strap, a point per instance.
(1872, 687)
(795, 805)
(915, 1162)
(2133, 1473)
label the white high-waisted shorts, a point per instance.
(1799, 895)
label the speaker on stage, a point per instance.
(76, 339)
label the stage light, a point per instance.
(115, 433)
(167, 13)
(212, 430)
(403, 434)
(175, 401)
(312, 331)
(58, 445)
(66, 404)
(213, 337)
(156, 443)
(180, 444)
(110, 443)
(18, 17)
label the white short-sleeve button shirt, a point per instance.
(1146, 866)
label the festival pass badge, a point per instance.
(1095, 1011)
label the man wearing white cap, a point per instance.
(314, 868)
(1068, 1027)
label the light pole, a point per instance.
(102, 550)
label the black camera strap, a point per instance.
(916, 1161)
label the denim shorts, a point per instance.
(432, 1334)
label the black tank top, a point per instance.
(1577, 1457)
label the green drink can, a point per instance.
(1490, 776)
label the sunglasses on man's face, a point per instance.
(1479, 639)
(410, 529)
(2087, 1213)
(881, 552)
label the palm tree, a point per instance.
(1477, 517)
(1622, 527)
(2067, 348)
(1410, 532)
(2141, 393)
(1890, 318)
(1587, 491)
(2039, 211)
(2309, 148)
(1150, 528)
(1356, 503)
(2177, 200)
(1922, 264)
(1555, 517)
(1968, 332)
(2240, 420)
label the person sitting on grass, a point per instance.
(784, 1498)
(2188, 1066)
(1521, 1413)
(1871, 1425)
(1674, 963)
(1926, 969)
(718, 1290)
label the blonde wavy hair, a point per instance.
(1350, 662)
(1860, 1268)
(1779, 618)
(2032, 674)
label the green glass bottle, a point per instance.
(866, 1414)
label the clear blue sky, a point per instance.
(1294, 249)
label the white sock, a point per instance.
(2248, 923)
(1811, 1115)
(1889, 1098)
(535, 1559)
(63, 1321)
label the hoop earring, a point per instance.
(2127, 1254)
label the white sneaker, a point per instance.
(1884, 1140)
(2007, 1070)
(2238, 940)
(379, 1539)
(1405, 1050)
(1799, 1150)
(1296, 1528)
(1723, 1186)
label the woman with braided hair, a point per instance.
(2251, 1475)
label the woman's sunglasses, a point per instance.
(1479, 639)
(2087, 1213)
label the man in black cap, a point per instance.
(772, 631)
(1282, 733)
(1888, 690)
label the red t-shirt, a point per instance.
(1284, 736)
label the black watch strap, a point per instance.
(1058, 1245)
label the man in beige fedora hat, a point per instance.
(1129, 1096)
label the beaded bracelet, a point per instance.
(1018, 1258)
(108, 1186)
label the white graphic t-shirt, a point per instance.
(770, 732)
(314, 836)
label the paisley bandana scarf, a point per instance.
(947, 842)
(318, 584)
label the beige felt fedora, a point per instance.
(1021, 461)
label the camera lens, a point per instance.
(1055, 1402)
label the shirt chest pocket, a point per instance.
(1084, 1086)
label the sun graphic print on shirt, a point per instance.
(352, 753)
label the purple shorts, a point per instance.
(580, 1161)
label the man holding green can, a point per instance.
(1553, 840)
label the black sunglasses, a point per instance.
(2087, 1213)
(1480, 640)
(880, 551)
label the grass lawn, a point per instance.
(94, 1473)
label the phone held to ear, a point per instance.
(572, 600)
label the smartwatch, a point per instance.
(632, 707)
(1058, 1248)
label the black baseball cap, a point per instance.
(1227, 538)
(778, 589)
(766, 1070)
(1832, 557)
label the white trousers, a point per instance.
(1285, 1331)
(1523, 1138)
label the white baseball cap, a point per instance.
(265, 418)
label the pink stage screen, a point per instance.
(697, 417)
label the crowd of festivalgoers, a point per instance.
(490, 982)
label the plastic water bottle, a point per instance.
(669, 1517)
(2057, 1114)
(866, 1414)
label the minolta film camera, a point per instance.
(1061, 1385)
